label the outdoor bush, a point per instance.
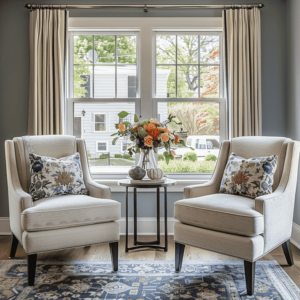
(179, 166)
(103, 156)
(118, 155)
(191, 156)
(126, 156)
(210, 157)
(161, 157)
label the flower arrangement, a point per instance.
(148, 134)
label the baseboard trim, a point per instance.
(295, 239)
(146, 226)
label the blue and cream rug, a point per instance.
(144, 280)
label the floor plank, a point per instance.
(101, 252)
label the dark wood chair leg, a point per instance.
(179, 251)
(114, 255)
(14, 246)
(250, 276)
(287, 249)
(31, 265)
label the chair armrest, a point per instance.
(96, 190)
(18, 199)
(213, 186)
(278, 207)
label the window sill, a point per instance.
(178, 188)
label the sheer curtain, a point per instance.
(48, 50)
(242, 45)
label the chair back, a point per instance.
(260, 146)
(56, 146)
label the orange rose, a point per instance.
(148, 141)
(166, 130)
(136, 128)
(154, 133)
(149, 126)
(122, 127)
(176, 139)
(165, 137)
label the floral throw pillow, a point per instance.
(52, 177)
(251, 177)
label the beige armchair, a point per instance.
(59, 222)
(238, 226)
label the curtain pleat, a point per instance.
(242, 48)
(48, 48)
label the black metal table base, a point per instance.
(150, 244)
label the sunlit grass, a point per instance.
(178, 166)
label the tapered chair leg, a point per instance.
(114, 255)
(31, 266)
(179, 251)
(13, 247)
(250, 276)
(287, 249)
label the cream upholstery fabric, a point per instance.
(247, 248)
(221, 212)
(94, 210)
(276, 208)
(43, 241)
(69, 211)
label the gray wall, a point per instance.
(14, 67)
(293, 80)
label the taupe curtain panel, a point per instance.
(48, 50)
(242, 44)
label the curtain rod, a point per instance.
(145, 7)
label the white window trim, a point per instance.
(147, 106)
(99, 131)
(100, 151)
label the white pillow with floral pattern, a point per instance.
(251, 177)
(53, 177)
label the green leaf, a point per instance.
(166, 146)
(117, 126)
(114, 140)
(123, 114)
(182, 143)
(166, 153)
(137, 150)
(167, 159)
(192, 148)
(126, 123)
(136, 119)
(114, 134)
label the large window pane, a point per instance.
(187, 82)
(200, 124)
(127, 81)
(210, 82)
(209, 49)
(165, 82)
(166, 49)
(126, 49)
(83, 81)
(105, 48)
(105, 81)
(83, 49)
(187, 52)
(98, 123)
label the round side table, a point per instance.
(147, 185)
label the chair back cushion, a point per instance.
(262, 146)
(56, 146)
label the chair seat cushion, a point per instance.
(221, 212)
(71, 211)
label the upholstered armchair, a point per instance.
(238, 226)
(59, 222)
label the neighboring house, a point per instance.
(97, 124)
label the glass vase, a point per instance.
(147, 159)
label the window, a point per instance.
(101, 147)
(100, 122)
(148, 67)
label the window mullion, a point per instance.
(199, 74)
(176, 68)
(116, 61)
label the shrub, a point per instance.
(191, 156)
(118, 155)
(126, 156)
(178, 166)
(210, 157)
(161, 157)
(103, 156)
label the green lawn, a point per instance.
(113, 162)
(178, 166)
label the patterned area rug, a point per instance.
(144, 280)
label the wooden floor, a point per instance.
(101, 252)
